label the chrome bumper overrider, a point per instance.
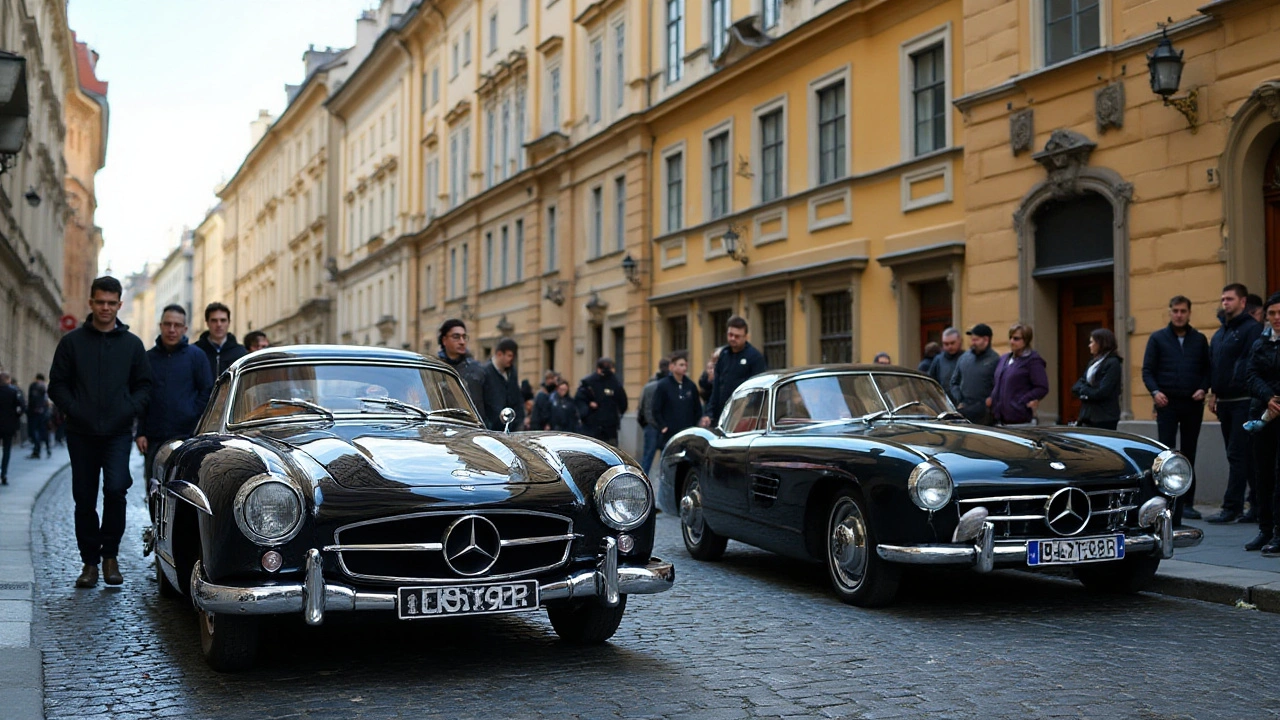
(985, 551)
(314, 597)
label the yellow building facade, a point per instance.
(1089, 201)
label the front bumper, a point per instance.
(314, 597)
(985, 552)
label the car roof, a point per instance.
(328, 353)
(770, 378)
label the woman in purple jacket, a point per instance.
(1021, 380)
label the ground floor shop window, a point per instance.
(835, 332)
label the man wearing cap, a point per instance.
(975, 376)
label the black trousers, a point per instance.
(1182, 416)
(1240, 460)
(1266, 444)
(94, 456)
(7, 441)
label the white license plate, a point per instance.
(1070, 551)
(416, 603)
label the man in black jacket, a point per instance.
(181, 382)
(1263, 381)
(501, 388)
(601, 402)
(944, 363)
(738, 361)
(1228, 362)
(11, 408)
(218, 344)
(101, 380)
(540, 417)
(675, 400)
(38, 416)
(453, 350)
(1175, 370)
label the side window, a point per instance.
(217, 408)
(742, 414)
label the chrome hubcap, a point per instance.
(847, 549)
(691, 513)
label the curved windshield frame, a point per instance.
(841, 397)
(338, 388)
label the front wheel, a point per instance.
(589, 623)
(857, 574)
(1128, 576)
(699, 539)
(167, 590)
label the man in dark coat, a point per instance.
(975, 377)
(1263, 381)
(11, 408)
(101, 379)
(1175, 370)
(181, 383)
(502, 388)
(540, 418)
(1228, 363)
(601, 401)
(675, 400)
(738, 361)
(218, 344)
(38, 416)
(944, 363)
(453, 350)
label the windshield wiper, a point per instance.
(455, 412)
(872, 417)
(299, 402)
(397, 404)
(949, 415)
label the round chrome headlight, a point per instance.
(930, 486)
(623, 498)
(1172, 472)
(268, 509)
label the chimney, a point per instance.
(259, 127)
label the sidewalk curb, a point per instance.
(1224, 586)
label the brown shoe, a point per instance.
(88, 577)
(111, 572)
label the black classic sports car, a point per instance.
(869, 469)
(325, 479)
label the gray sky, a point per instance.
(186, 78)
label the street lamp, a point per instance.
(1165, 66)
(13, 107)
(631, 269)
(730, 240)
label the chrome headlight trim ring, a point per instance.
(242, 498)
(607, 478)
(1165, 465)
(922, 487)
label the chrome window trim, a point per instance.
(872, 374)
(568, 537)
(768, 394)
(242, 496)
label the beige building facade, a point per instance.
(87, 115)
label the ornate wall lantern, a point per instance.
(13, 107)
(1165, 66)
(731, 248)
(632, 269)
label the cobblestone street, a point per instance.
(752, 636)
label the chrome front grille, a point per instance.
(1024, 515)
(411, 548)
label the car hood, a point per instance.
(437, 455)
(977, 453)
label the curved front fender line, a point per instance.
(190, 494)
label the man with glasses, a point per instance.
(181, 382)
(453, 350)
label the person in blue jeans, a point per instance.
(101, 380)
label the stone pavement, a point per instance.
(1217, 571)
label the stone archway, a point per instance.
(1255, 130)
(1066, 161)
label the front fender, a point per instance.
(688, 448)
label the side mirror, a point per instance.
(507, 416)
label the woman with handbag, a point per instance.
(1099, 387)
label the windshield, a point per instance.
(848, 396)
(348, 389)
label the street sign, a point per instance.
(67, 323)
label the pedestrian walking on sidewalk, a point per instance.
(181, 382)
(1175, 370)
(11, 408)
(1228, 362)
(101, 379)
(38, 417)
(1263, 379)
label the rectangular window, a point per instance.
(675, 40)
(491, 160)
(457, 61)
(453, 171)
(929, 101)
(466, 267)
(675, 192)
(554, 100)
(718, 166)
(466, 163)
(506, 256)
(520, 127)
(426, 89)
(677, 334)
(771, 159)
(831, 132)
(620, 212)
(552, 260)
(435, 86)
(524, 14)
(619, 349)
(719, 26)
(453, 272)
(519, 254)
(597, 78)
(488, 260)
(597, 221)
(493, 33)
(771, 13)
(466, 47)
(619, 65)
(1071, 27)
(835, 331)
(774, 348)
(506, 153)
